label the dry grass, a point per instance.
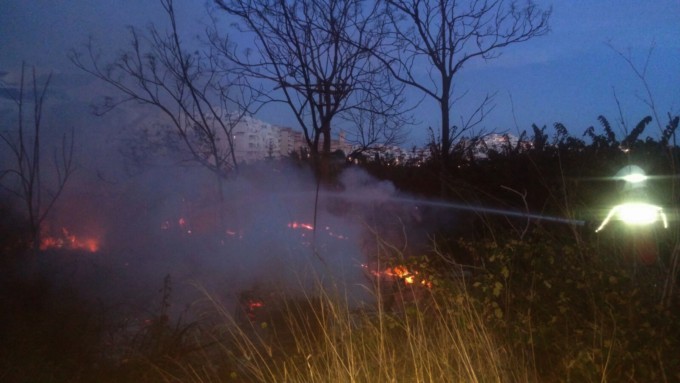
(320, 338)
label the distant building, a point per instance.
(256, 140)
(290, 141)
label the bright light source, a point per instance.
(636, 213)
(635, 178)
(633, 175)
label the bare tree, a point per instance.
(192, 89)
(317, 57)
(373, 131)
(443, 36)
(26, 177)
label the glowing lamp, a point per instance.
(636, 212)
(639, 213)
(634, 178)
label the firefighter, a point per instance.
(640, 216)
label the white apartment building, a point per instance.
(256, 140)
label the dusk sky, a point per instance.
(570, 75)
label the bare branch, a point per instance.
(442, 36)
(27, 171)
(641, 74)
(193, 90)
(316, 56)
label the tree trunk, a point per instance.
(445, 148)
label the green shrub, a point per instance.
(583, 313)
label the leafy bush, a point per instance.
(582, 313)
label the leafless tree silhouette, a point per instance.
(26, 178)
(317, 57)
(195, 90)
(433, 40)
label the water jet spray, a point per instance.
(460, 206)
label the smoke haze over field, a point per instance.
(169, 220)
(162, 215)
(154, 216)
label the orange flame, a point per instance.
(69, 241)
(403, 273)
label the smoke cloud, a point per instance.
(266, 228)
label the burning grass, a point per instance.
(69, 241)
(533, 310)
(532, 313)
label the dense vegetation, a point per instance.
(495, 299)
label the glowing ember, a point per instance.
(182, 224)
(69, 241)
(310, 227)
(296, 225)
(251, 306)
(335, 235)
(234, 233)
